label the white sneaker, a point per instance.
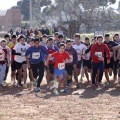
(56, 92)
(25, 86)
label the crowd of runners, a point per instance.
(60, 61)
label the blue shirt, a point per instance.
(36, 54)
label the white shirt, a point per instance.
(19, 48)
(81, 48)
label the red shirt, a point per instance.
(98, 51)
(60, 58)
(51, 50)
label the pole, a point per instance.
(30, 13)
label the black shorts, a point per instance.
(110, 65)
(69, 69)
(79, 64)
(51, 68)
(19, 65)
(13, 66)
(87, 63)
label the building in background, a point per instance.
(11, 19)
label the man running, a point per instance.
(20, 60)
(69, 67)
(108, 68)
(80, 48)
(97, 55)
(4, 60)
(50, 69)
(35, 61)
(59, 68)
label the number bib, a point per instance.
(35, 55)
(61, 66)
(98, 54)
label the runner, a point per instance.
(44, 40)
(97, 54)
(87, 61)
(50, 70)
(80, 48)
(20, 60)
(13, 65)
(4, 60)
(56, 39)
(59, 68)
(7, 38)
(60, 39)
(118, 58)
(69, 67)
(115, 64)
(108, 68)
(35, 62)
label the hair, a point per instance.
(87, 38)
(60, 36)
(36, 40)
(3, 41)
(100, 36)
(61, 44)
(14, 36)
(77, 35)
(107, 35)
(68, 41)
(116, 35)
(50, 39)
(31, 39)
(95, 37)
(21, 36)
(6, 36)
(56, 33)
(45, 35)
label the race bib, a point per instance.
(61, 66)
(35, 55)
(71, 59)
(98, 54)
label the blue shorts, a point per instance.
(60, 72)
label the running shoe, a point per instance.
(100, 84)
(37, 89)
(56, 92)
(94, 86)
(48, 87)
(25, 86)
(19, 85)
(108, 84)
(65, 90)
(78, 86)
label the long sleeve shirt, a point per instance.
(98, 51)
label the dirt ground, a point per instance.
(82, 104)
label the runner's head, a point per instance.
(94, 40)
(36, 42)
(50, 42)
(61, 48)
(87, 41)
(22, 39)
(61, 38)
(3, 43)
(56, 37)
(116, 37)
(31, 41)
(68, 44)
(100, 39)
(14, 39)
(107, 38)
(77, 38)
(7, 37)
(44, 38)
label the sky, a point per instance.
(6, 4)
